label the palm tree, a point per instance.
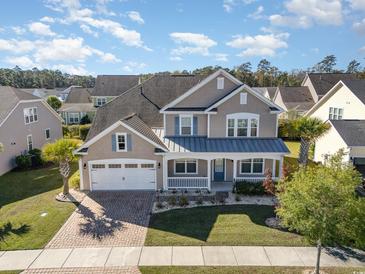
(309, 129)
(61, 153)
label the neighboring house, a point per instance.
(77, 105)
(182, 132)
(268, 92)
(344, 107)
(296, 101)
(320, 83)
(347, 135)
(107, 87)
(26, 122)
(44, 93)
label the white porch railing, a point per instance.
(252, 179)
(187, 182)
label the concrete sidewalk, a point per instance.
(177, 255)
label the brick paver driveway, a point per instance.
(107, 219)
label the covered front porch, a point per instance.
(217, 172)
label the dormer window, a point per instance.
(100, 101)
(186, 125)
(220, 83)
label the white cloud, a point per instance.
(134, 66)
(135, 16)
(47, 19)
(257, 14)
(106, 57)
(1, 29)
(175, 58)
(16, 46)
(191, 43)
(84, 16)
(71, 69)
(359, 27)
(305, 13)
(357, 4)
(88, 30)
(18, 30)
(259, 45)
(221, 57)
(41, 29)
(228, 5)
(101, 7)
(22, 61)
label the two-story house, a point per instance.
(297, 100)
(182, 132)
(108, 87)
(26, 122)
(77, 105)
(344, 108)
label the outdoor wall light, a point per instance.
(84, 165)
(159, 165)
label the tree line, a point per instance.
(265, 75)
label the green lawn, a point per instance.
(218, 225)
(24, 197)
(293, 147)
(242, 270)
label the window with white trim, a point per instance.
(252, 166)
(186, 166)
(47, 133)
(30, 115)
(100, 101)
(242, 125)
(121, 141)
(243, 98)
(335, 113)
(220, 83)
(29, 142)
(186, 124)
(73, 118)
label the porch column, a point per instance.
(234, 170)
(209, 174)
(281, 161)
(164, 172)
(274, 168)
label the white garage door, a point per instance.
(123, 174)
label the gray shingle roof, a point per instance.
(298, 98)
(145, 100)
(351, 131)
(262, 90)
(89, 107)
(79, 95)
(229, 145)
(137, 124)
(9, 97)
(357, 87)
(114, 85)
(323, 82)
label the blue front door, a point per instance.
(219, 170)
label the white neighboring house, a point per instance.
(344, 108)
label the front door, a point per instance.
(219, 170)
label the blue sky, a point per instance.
(139, 36)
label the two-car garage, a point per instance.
(122, 174)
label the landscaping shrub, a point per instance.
(159, 205)
(183, 201)
(248, 188)
(36, 157)
(172, 201)
(23, 161)
(65, 131)
(84, 130)
(85, 120)
(74, 131)
(74, 180)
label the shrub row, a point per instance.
(31, 159)
(249, 188)
(76, 131)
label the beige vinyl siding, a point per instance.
(202, 169)
(13, 133)
(208, 94)
(267, 121)
(102, 149)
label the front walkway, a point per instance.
(105, 219)
(177, 255)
